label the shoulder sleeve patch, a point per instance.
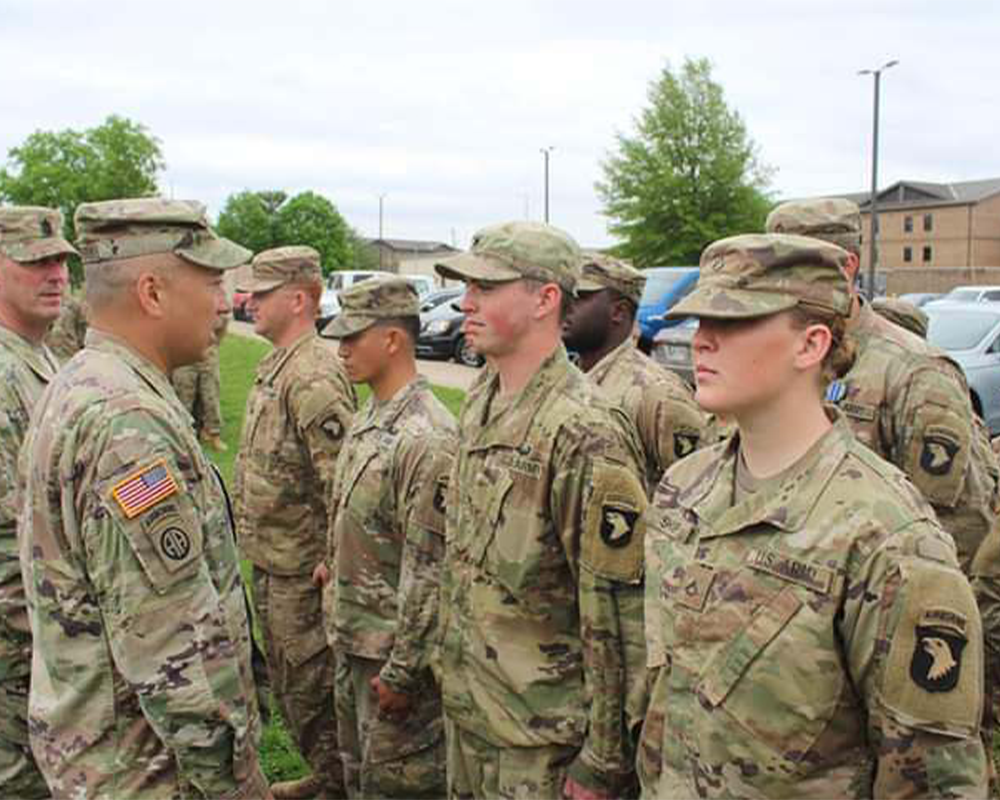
(933, 675)
(144, 488)
(938, 454)
(612, 545)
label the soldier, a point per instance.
(905, 315)
(141, 684)
(386, 549)
(198, 388)
(541, 648)
(298, 411)
(809, 628)
(33, 275)
(904, 398)
(65, 337)
(656, 400)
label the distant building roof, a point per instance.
(925, 193)
(412, 245)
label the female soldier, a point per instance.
(810, 631)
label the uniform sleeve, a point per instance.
(13, 426)
(599, 495)
(913, 640)
(423, 471)
(170, 635)
(670, 425)
(323, 410)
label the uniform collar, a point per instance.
(384, 415)
(36, 356)
(272, 364)
(510, 427)
(603, 367)
(710, 496)
(105, 342)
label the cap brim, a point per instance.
(39, 249)
(255, 286)
(585, 285)
(472, 267)
(215, 253)
(718, 303)
(344, 325)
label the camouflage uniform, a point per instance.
(25, 370)
(811, 634)
(298, 411)
(542, 652)
(198, 387)
(657, 401)
(385, 551)
(141, 680)
(65, 337)
(905, 315)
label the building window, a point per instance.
(927, 253)
(928, 222)
(907, 224)
(907, 254)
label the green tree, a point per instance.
(689, 175)
(62, 169)
(262, 220)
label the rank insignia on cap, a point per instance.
(836, 391)
(938, 455)
(617, 525)
(937, 658)
(144, 489)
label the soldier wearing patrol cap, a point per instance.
(33, 276)
(298, 411)
(904, 314)
(657, 401)
(141, 682)
(541, 649)
(808, 626)
(386, 548)
(904, 398)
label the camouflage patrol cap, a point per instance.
(281, 265)
(514, 250)
(601, 271)
(371, 300)
(32, 233)
(904, 314)
(760, 274)
(116, 229)
(832, 219)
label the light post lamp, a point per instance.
(546, 152)
(873, 203)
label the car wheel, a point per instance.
(464, 354)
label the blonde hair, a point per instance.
(840, 357)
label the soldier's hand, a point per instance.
(321, 575)
(391, 705)
(577, 791)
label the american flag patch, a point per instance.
(144, 488)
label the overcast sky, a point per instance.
(442, 105)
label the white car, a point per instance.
(329, 305)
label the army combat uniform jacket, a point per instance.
(910, 403)
(541, 598)
(25, 370)
(661, 406)
(141, 681)
(814, 640)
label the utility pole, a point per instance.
(873, 202)
(546, 152)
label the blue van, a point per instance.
(664, 287)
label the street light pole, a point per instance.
(873, 203)
(381, 242)
(547, 151)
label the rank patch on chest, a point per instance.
(144, 489)
(695, 585)
(617, 524)
(938, 454)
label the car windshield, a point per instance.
(659, 283)
(964, 295)
(959, 329)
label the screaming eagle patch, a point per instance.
(938, 454)
(617, 524)
(937, 658)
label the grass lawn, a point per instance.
(238, 361)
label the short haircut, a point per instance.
(105, 281)
(565, 298)
(410, 325)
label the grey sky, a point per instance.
(443, 105)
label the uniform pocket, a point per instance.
(296, 616)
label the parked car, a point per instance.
(434, 299)
(672, 348)
(664, 287)
(970, 334)
(441, 335)
(240, 310)
(424, 284)
(329, 305)
(920, 299)
(971, 294)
